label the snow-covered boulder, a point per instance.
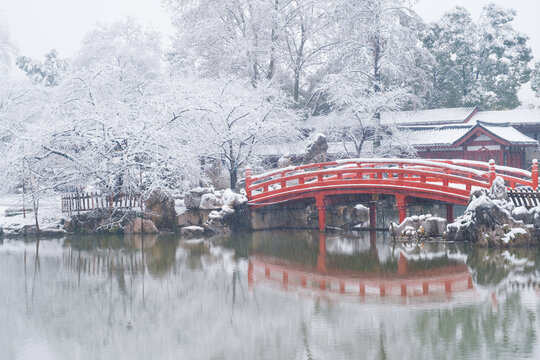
(141, 226)
(231, 199)
(498, 190)
(489, 220)
(284, 161)
(521, 213)
(422, 225)
(316, 150)
(192, 231)
(434, 226)
(210, 202)
(192, 199)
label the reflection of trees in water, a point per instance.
(491, 267)
(118, 255)
(211, 314)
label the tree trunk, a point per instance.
(233, 176)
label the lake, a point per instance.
(266, 295)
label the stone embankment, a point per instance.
(423, 226)
(210, 211)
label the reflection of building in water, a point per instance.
(358, 273)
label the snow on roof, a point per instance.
(448, 135)
(324, 122)
(433, 136)
(513, 117)
(426, 117)
(508, 133)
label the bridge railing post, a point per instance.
(534, 174)
(248, 182)
(322, 212)
(492, 173)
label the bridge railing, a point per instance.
(452, 177)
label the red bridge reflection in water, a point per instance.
(446, 280)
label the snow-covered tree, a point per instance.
(482, 64)
(230, 119)
(48, 72)
(111, 121)
(378, 70)
(451, 42)
(219, 37)
(535, 79)
(309, 34)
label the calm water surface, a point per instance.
(268, 295)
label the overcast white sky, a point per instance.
(37, 26)
(40, 25)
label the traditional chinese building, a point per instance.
(509, 137)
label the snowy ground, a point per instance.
(49, 214)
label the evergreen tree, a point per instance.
(47, 73)
(535, 79)
(481, 64)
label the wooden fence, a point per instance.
(79, 202)
(524, 196)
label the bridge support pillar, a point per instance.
(450, 213)
(401, 203)
(372, 214)
(322, 212)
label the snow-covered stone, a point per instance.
(316, 150)
(192, 230)
(498, 189)
(210, 202)
(192, 199)
(423, 225)
(284, 161)
(491, 220)
(231, 199)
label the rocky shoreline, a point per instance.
(490, 220)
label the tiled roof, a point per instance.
(448, 135)
(427, 117)
(434, 136)
(509, 134)
(513, 117)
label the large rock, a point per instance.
(160, 207)
(284, 161)
(423, 225)
(190, 217)
(316, 150)
(192, 200)
(141, 226)
(434, 226)
(192, 231)
(232, 199)
(488, 222)
(498, 190)
(210, 202)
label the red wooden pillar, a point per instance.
(534, 174)
(322, 212)
(372, 214)
(248, 182)
(450, 213)
(321, 258)
(401, 203)
(492, 174)
(402, 265)
(250, 275)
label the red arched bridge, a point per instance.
(448, 181)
